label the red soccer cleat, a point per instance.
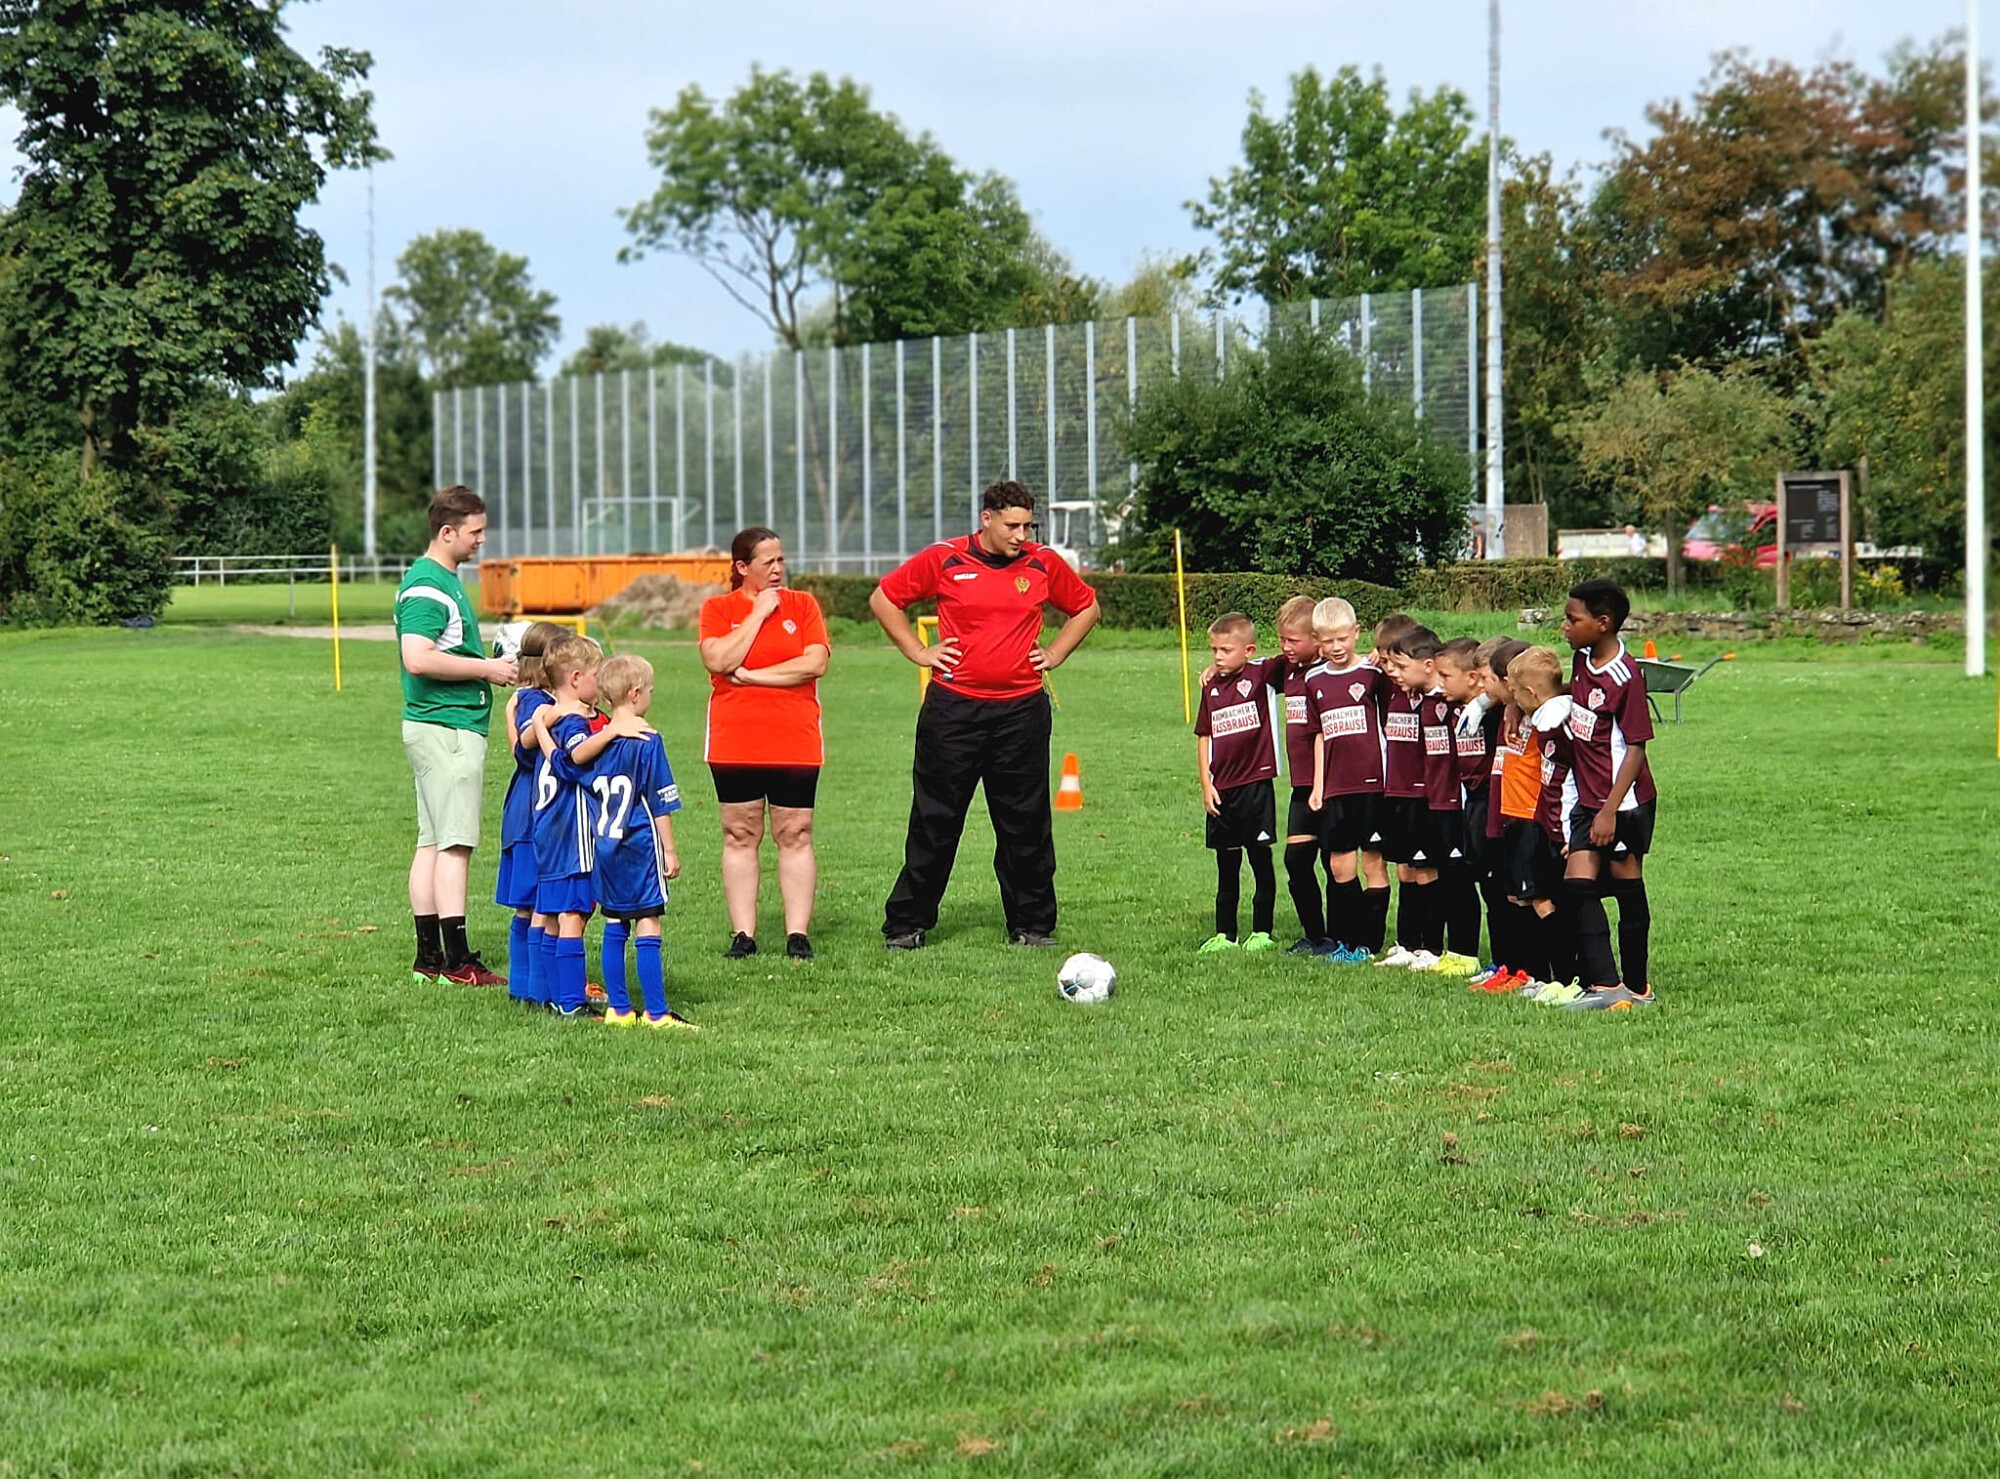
(472, 972)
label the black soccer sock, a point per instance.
(1377, 924)
(1264, 890)
(430, 948)
(456, 951)
(1228, 889)
(1635, 929)
(1499, 943)
(1300, 860)
(1435, 898)
(1554, 934)
(1593, 933)
(1347, 914)
(1461, 911)
(1409, 916)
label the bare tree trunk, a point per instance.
(1674, 530)
(88, 416)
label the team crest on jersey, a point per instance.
(1356, 690)
(1021, 584)
(1597, 698)
(791, 626)
(1243, 686)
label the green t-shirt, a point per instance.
(431, 603)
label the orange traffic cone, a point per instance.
(1651, 650)
(1069, 793)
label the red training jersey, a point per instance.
(1403, 745)
(992, 605)
(1607, 715)
(1344, 707)
(748, 725)
(1235, 714)
(1440, 717)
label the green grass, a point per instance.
(274, 603)
(264, 1211)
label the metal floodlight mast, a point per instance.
(1496, 478)
(1975, 367)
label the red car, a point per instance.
(1714, 535)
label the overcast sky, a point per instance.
(526, 121)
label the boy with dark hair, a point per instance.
(1610, 826)
(1534, 854)
(1508, 941)
(1409, 839)
(1344, 698)
(1464, 688)
(1235, 744)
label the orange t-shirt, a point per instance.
(1521, 780)
(765, 726)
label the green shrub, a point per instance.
(76, 553)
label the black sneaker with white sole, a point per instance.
(1031, 939)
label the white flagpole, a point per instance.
(1496, 478)
(368, 392)
(1975, 367)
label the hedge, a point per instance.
(1505, 585)
(1141, 602)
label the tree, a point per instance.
(1342, 195)
(607, 348)
(473, 314)
(795, 192)
(1289, 466)
(1673, 442)
(155, 245)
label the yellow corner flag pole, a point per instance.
(1180, 584)
(333, 573)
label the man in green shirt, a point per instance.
(447, 704)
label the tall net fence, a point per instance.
(860, 455)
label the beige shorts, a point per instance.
(451, 782)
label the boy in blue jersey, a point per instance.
(515, 887)
(629, 800)
(565, 850)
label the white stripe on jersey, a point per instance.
(586, 839)
(453, 635)
(653, 841)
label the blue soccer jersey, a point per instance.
(517, 813)
(563, 843)
(630, 786)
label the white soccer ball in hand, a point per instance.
(1086, 978)
(507, 640)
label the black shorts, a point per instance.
(1300, 819)
(1348, 823)
(1407, 836)
(1478, 846)
(795, 786)
(1634, 838)
(1529, 867)
(1448, 837)
(1249, 817)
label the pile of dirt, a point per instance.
(662, 601)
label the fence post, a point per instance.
(1174, 343)
(708, 443)
(770, 444)
(437, 440)
(902, 464)
(680, 447)
(1131, 408)
(1312, 314)
(833, 460)
(625, 451)
(1472, 380)
(597, 468)
(549, 425)
(479, 437)
(653, 459)
(458, 435)
(1417, 350)
(1049, 395)
(736, 435)
(937, 438)
(527, 466)
(972, 415)
(867, 469)
(498, 520)
(1367, 342)
(1221, 351)
(1090, 406)
(1011, 414)
(577, 533)
(799, 436)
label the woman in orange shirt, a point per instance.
(765, 648)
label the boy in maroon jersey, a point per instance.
(1509, 945)
(1409, 838)
(1344, 698)
(1534, 854)
(1235, 743)
(1610, 825)
(1460, 680)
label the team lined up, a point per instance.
(1471, 766)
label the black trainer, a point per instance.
(798, 947)
(740, 947)
(908, 940)
(1032, 939)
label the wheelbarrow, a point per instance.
(1667, 676)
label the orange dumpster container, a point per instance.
(565, 584)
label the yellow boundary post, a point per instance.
(927, 627)
(1180, 585)
(333, 574)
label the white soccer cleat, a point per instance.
(1423, 960)
(1398, 956)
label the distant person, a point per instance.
(1635, 543)
(447, 706)
(766, 648)
(985, 717)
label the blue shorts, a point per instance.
(516, 887)
(570, 895)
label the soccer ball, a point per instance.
(507, 640)
(1085, 979)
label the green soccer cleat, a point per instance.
(1620, 998)
(1558, 994)
(671, 1022)
(1259, 941)
(1451, 964)
(615, 1018)
(1215, 945)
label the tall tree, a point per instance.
(793, 193)
(1341, 194)
(156, 244)
(473, 313)
(610, 347)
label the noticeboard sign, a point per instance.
(1815, 518)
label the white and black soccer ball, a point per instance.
(1086, 978)
(507, 640)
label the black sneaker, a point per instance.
(1303, 947)
(798, 947)
(907, 940)
(1032, 939)
(740, 947)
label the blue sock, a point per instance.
(569, 974)
(535, 968)
(548, 982)
(520, 958)
(652, 977)
(612, 958)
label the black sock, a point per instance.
(1593, 933)
(1377, 901)
(1555, 945)
(430, 949)
(1499, 944)
(1461, 911)
(1433, 915)
(1300, 860)
(1635, 929)
(1409, 916)
(456, 951)
(1264, 890)
(1228, 888)
(1347, 914)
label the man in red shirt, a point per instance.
(985, 715)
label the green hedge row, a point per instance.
(1147, 602)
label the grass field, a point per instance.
(264, 1210)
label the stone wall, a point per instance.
(1828, 626)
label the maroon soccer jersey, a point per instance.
(1235, 714)
(1607, 714)
(1440, 717)
(1403, 745)
(1551, 741)
(992, 605)
(1472, 738)
(1344, 708)
(1300, 727)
